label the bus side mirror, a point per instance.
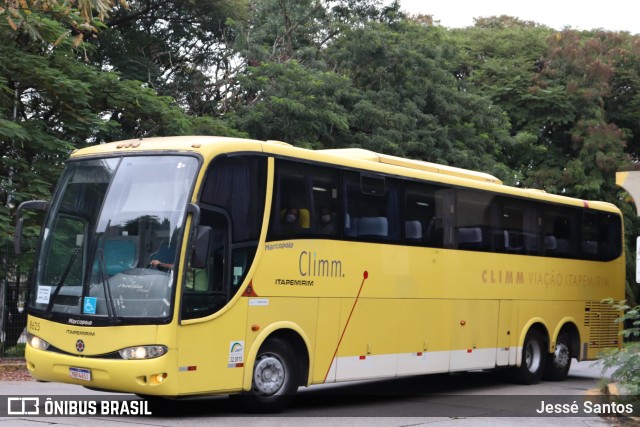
(201, 247)
(40, 205)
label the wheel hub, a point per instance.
(561, 359)
(269, 375)
(532, 357)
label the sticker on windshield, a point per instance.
(89, 306)
(44, 294)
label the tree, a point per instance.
(80, 17)
(375, 80)
(556, 88)
(288, 102)
(280, 30)
(410, 103)
(179, 48)
(498, 58)
(589, 147)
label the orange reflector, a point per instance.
(158, 378)
(255, 327)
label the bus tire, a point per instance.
(533, 358)
(558, 363)
(274, 379)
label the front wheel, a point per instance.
(558, 363)
(533, 358)
(274, 379)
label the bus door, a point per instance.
(210, 339)
(213, 323)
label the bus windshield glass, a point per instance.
(112, 238)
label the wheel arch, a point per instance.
(286, 331)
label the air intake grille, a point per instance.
(603, 330)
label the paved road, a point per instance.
(474, 398)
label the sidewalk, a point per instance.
(14, 370)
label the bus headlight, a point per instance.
(143, 352)
(37, 342)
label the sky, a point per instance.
(613, 15)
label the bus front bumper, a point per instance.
(155, 377)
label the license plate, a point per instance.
(80, 374)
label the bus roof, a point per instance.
(358, 153)
(190, 143)
(209, 145)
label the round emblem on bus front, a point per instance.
(80, 346)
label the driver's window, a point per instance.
(205, 290)
(233, 194)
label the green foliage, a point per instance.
(576, 78)
(624, 362)
(410, 103)
(17, 351)
(80, 17)
(291, 103)
(177, 48)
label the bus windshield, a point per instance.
(112, 238)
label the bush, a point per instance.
(625, 362)
(15, 351)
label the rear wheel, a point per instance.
(533, 358)
(274, 379)
(558, 363)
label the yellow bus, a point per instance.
(189, 266)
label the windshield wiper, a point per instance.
(63, 278)
(111, 308)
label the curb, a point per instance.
(613, 390)
(13, 366)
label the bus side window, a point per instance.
(590, 235)
(424, 209)
(371, 207)
(305, 201)
(601, 236)
(517, 226)
(609, 236)
(325, 200)
(473, 220)
(290, 216)
(561, 234)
